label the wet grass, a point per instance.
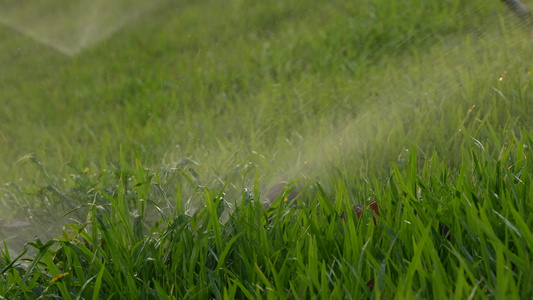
(192, 83)
(441, 232)
(174, 130)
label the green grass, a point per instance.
(153, 142)
(441, 233)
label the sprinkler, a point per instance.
(281, 191)
(519, 9)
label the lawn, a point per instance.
(141, 162)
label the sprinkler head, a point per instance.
(281, 191)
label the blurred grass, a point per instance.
(422, 107)
(191, 82)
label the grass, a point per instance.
(440, 233)
(174, 126)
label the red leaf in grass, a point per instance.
(374, 207)
(370, 284)
(360, 208)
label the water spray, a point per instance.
(71, 27)
(352, 126)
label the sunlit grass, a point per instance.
(154, 150)
(441, 232)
